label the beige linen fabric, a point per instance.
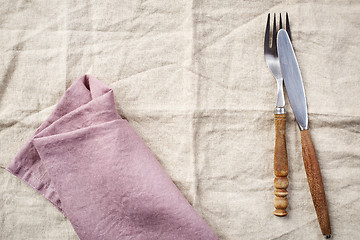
(190, 77)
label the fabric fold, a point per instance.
(90, 163)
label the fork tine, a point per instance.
(267, 34)
(274, 32)
(280, 27)
(288, 26)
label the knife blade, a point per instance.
(294, 84)
(296, 94)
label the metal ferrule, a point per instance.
(303, 128)
(280, 110)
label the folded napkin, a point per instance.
(90, 163)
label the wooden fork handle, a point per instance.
(280, 166)
(316, 185)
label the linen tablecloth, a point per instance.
(190, 78)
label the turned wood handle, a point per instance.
(316, 185)
(280, 167)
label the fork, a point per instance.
(281, 169)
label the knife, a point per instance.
(295, 89)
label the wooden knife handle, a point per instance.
(280, 166)
(316, 185)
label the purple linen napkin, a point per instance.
(98, 172)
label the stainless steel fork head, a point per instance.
(272, 59)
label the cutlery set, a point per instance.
(282, 62)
